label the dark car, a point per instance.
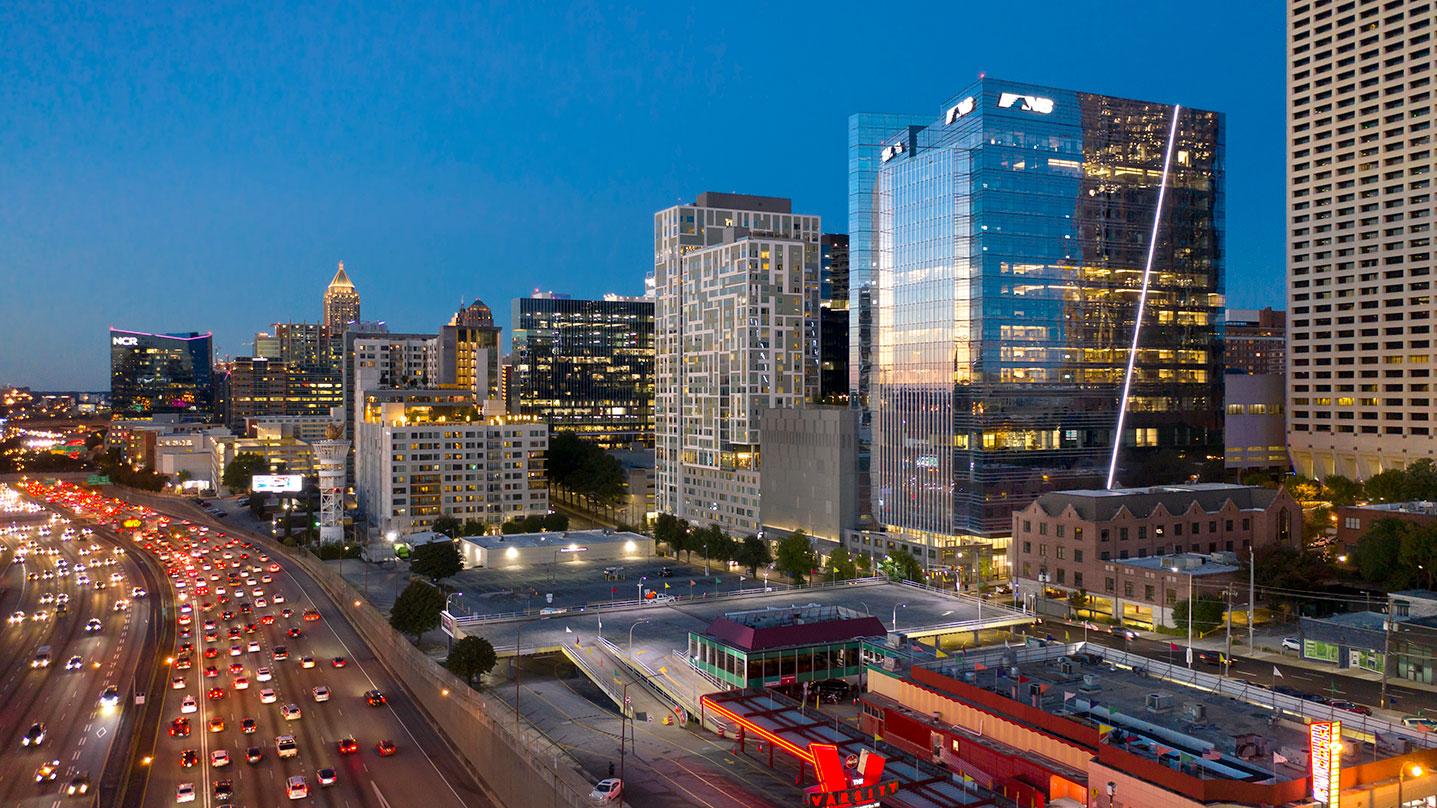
(253, 755)
(224, 790)
(375, 698)
(1350, 706)
(1208, 657)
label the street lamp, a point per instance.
(1191, 609)
(447, 597)
(896, 607)
(631, 633)
(1412, 770)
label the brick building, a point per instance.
(1133, 550)
(1353, 521)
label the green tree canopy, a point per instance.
(1418, 481)
(239, 472)
(841, 565)
(585, 469)
(795, 557)
(448, 525)
(1340, 490)
(417, 609)
(901, 565)
(1207, 615)
(471, 657)
(753, 553)
(435, 560)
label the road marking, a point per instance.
(382, 801)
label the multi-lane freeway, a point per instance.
(74, 626)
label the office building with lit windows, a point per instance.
(152, 374)
(1010, 238)
(1359, 236)
(468, 347)
(736, 331)
(586, 366)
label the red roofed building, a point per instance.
(783, 646)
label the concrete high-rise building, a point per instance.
(1359, 299)
(1254, 342)
(421, 454)
(469, 352)
(375, 361)
(736, 331)
(1017, 238)
(152, 374)
(586, 366)
(341, 303)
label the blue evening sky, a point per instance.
(171, 167)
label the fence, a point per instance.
(518, 764)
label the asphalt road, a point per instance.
(80, 733)
(423, 773)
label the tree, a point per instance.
(1207, 615)
(556, 521)
(239, 471)
(1342, 491)
(447, 525)
(901, 565)
(471, 656)
(709, 540)
(753, 553)
(417, 609)
(1376, 553)
(1416, 482)
(473, 527)
(795, 557)
(841, 565)
(1285, 571)
(435, 560)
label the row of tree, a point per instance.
(417, 610)
(1417, 481)
(454, 528)
(585, 470)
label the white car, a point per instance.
(177, 683)
(321, 693)
(285, 746)
(267, 695)
(607, 790)
(264, 674)
(253, 648)
(291, 712)
(277, 598)
(219, 758)
(188, 705)
(185, 792)
(1291, 644)
(297, 788)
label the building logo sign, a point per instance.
(128, 342)
(960, 109)
(1031, 103)
(889, 152)
(1324, 740)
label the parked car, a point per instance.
(1292, 644)
(607, 790)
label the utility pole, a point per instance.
(1227, 601)
(1251, 593)
(1386, 650)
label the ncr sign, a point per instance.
(1324, 740)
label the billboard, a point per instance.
(1325, 742)
(276, 483)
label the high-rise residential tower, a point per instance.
(1017, 238)
(341, 303)
(1359, 240)
(153, 374)
(586, 366)
(469, 352)
(736, 330)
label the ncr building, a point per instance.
(152, 374)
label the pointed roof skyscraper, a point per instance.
(341, 302)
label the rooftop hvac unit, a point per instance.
(1090, 682)
(1066, 666)
(1160, 702)
(1194, 711)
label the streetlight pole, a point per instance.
(631, 634)
(451, 614)
(1251, 593)
(896, 607)
(518, 648)
(1191, 608)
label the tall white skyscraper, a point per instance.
(736, 331)
(1359, 240)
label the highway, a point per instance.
(423, 772)
(79, 733)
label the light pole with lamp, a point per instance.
(631, 633)
(1411, 770)
(1191, 608)
(451, 614)
(896, 607)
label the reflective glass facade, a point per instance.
(1009, 240)
(160, 373)
(587, 367)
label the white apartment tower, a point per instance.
(736, 282)
(1360, 212)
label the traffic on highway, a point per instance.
(263, 702)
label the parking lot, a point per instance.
(579, 583)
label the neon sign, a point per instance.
(126, 341)
(1031, 103)
(1324, 740)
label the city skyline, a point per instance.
(449, 174)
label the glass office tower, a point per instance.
(1010, 237)
(160, 373)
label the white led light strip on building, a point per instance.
(1143, 296)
